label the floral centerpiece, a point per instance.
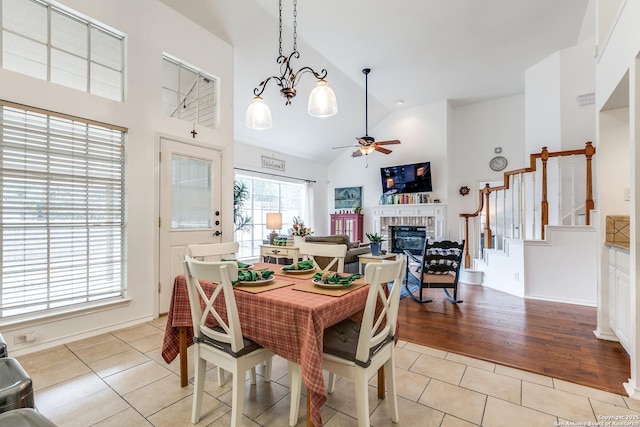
(299, 229)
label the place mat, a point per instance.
(277, 283)
(310, 287)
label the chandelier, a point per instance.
(322, 100)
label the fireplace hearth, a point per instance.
(407, 238)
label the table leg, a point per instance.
(381, 383)
(309, 409)
(184, 374)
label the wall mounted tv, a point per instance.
(412, 178)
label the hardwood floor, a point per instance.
(552, 339)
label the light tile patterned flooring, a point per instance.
(119, 379)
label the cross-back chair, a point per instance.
(437, 267)
(357, 350)
(224, 344)
(334, 253)
(213, 251)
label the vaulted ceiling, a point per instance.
(420, 51)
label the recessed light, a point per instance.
(399, 101)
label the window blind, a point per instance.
(62, 211)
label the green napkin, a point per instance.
(253, 276)
(302, 265)
(336, 278)
(240, 263)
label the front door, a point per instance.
(190, 186)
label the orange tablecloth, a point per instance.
(288, 322)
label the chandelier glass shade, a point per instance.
(258, 115)
(322, 100)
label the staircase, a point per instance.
(532, 236)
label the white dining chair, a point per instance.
(335, 253)
(213, 251)
(224, 344)
(357, 350)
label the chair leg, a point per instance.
(221, 380)
(252, 375)
(362, 397)
(198, 387)
(267, 369)
(295, 385)
(331, 384)
(390, 379)
(237, 397)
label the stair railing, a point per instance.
(518, 176)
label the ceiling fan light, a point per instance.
(322, 100)
(258, 115)
(367, 149)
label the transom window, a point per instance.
(51, 44)
(188, 94)
(62, 211)
(266, 195)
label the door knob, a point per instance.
(217, 233)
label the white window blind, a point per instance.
(56, 45)
(62, 211)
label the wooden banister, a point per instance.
(544, 156)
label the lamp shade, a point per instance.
(274, 221)
(258, 115)
(366, 149)
(322, 100)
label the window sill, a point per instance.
(33, 319)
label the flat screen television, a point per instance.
(411, 178)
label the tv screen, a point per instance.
(412, 178)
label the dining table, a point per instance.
(287, 316)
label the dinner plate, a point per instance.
(309, 270)
(258, 282)
(321, 284)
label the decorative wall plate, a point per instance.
(464, 190)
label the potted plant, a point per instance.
(299, 231)
(376, 242)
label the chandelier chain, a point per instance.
(295, 25)
(280, 28)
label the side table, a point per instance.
(277, 252)
(366, 258)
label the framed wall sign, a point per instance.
(272, 163)
(348, 198)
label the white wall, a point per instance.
(555, 269)
(542, 106)
(150, 28)
(250, 157)
(477, 130)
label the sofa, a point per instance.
(353, 250)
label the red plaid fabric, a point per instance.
(290, 323)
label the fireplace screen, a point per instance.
(407, 238)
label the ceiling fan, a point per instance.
(367, 144)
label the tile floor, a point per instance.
(119, 379)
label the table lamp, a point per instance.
(274, 222)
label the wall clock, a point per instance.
(498, 163)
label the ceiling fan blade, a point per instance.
(356, 153)
(393, 141)
(382, 150)
(345, 146)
